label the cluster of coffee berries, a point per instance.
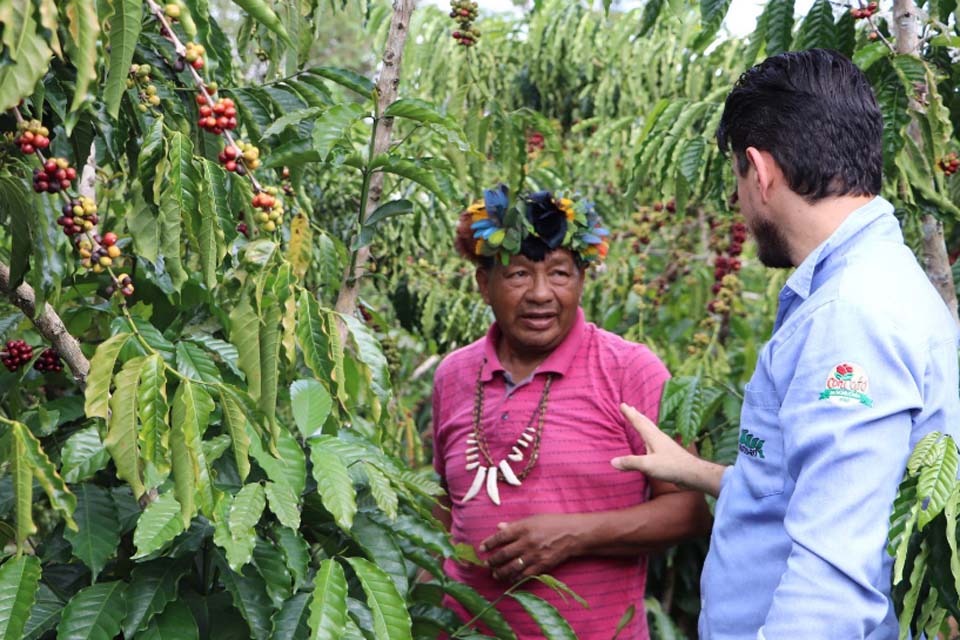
(55, 176)
(16, 354)
(139, 77)
(49, 360)
(464, 13)
(79, 215)
(864, 12)
(270, 216)
(535, 142)
(949, 163)
(122, 283)
(193, 54)
(639, 279)
(33, 136)
(647, 219)
(218, 118)
(100, 256)
(287, 187)
(726, 264)
(240, 157)
(670, 206)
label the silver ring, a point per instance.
(520, 562)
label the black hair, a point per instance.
(815, 112)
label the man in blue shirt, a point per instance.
(861, 365)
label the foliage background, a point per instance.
(280, 444)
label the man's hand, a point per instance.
(667, 460)
(531, 546)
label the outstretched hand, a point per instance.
(666, 460)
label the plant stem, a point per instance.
(49, 324)
(936, 261)
(489, 606)
(385, 94)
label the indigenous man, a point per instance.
(526, 420)
(862, 364)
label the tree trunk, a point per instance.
(387, 85)
(936, 262)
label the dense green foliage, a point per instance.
(242, 460)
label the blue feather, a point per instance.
(496, 202)
(483, 224)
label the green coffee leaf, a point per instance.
(124, 32)
(82, 47)
(391, 620)
(345, 78)
(250, 598)
(154, 434)
(98, 535)
(101, 372)
(153, 586)
(235, 422)
(551, 623)
(328, 606)
(333, 482)
(311, 404)
(83, 455)
(121, 440)
(175, 623)
(19, 579)
(94, 613)
(284, 504)
(160, 523)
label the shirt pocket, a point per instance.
(761, 443)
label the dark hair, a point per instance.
(815, 112)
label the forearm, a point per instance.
(649, 527)
(701, 475)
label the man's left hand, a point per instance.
(531, 546)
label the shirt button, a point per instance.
(505, 415)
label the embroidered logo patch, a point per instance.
(750, 444)
(847, 386)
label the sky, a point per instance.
(741, 18)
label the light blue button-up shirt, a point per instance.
(861, 365)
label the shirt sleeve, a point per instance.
(641, 388)
(846, 418)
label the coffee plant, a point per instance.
(227, 277)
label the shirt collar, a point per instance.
(558, 361)
(801, 281)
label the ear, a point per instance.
(483, 282)
(766, 171)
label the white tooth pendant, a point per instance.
(508, 474)
(515, 455)
(477, 483)
(492, 490)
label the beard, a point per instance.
(772, 249)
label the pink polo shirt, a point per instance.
(594, 372)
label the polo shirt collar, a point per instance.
(559, 361)
(801, 281)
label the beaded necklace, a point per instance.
(477, 446)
